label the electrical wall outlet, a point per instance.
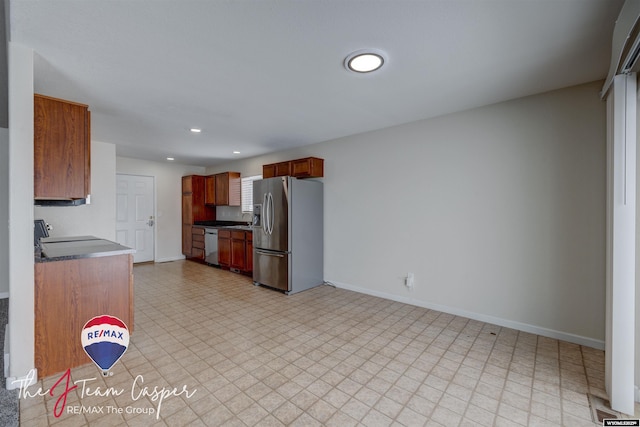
(409, 281)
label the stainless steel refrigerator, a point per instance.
(288, 233)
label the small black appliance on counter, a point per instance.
(39, 231)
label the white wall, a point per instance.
(21, 274)
(97, 218)
(499, 211)
(4, 213)
(168, 182)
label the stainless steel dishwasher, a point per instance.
(211, 245)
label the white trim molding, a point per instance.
(524, 327)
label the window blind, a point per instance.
(247, 192)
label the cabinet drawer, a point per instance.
(238, 235)
(197, 231)
(224, 234)
(198, 242)
(197, 253)
(197, 237)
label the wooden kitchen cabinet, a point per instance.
(235, 250)
(228, 189)
(224, 248)
(276, 169)
(187, 240)
(238, 250)
(61, 150)
(194, 209)
(249, 262)
(308, 167)
(197, 245)
(223, 189)
(269, 171)
(69, 292)
(210, 190)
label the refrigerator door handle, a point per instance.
(272, 214)
(269, 254)
(265, 220)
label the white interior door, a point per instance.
(135, 220)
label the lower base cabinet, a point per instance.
(235, 250)
(224, 248)
(197, 243)
(68, 293)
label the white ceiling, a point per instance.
(265, 75)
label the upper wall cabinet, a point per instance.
(62, 144)
(308, 167)
(223, 189)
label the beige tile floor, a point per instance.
(211, 349)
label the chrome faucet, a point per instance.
(250, 222)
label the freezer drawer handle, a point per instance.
(270, 254)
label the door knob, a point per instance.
(150, 222)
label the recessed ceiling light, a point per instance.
(236, 152)
(195, 130)
(170, 158)
(365, 60)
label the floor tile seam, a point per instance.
(423, 382)
(484, 367)
(511, 361)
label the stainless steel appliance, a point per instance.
(211, 245)
(288, 233)
(39, 231)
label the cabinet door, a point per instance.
(187, 186)
(210, 190)
(187, 209)
(224, 248)
(187, 240)
(283, 169)
(228, 189)
(238, 254)
(268, 171)
(249, 264)
(307, 168)
(222, 189)
(61, 149)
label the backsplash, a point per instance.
(232, 213)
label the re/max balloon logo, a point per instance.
(105, 339)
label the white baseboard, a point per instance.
(4, 295)
(23, 381)
(532, 329)
(170, 259)
(6, 350)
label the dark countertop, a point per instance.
(234, 225)
(75, 247)
(219, 223)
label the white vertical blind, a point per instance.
(247, 192)
(621, 213)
